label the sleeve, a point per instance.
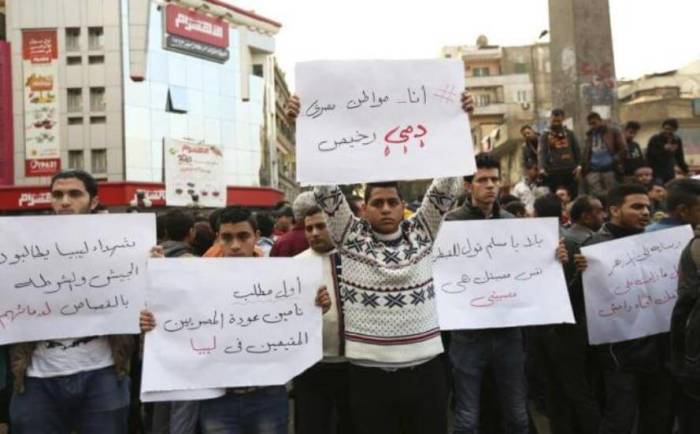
(680, 156)
(542, 151)
(655, 150)
(340, 218)
(438, 200)
(688, 287)
(575, 148)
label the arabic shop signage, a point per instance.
(191, 32)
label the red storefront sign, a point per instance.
(42, 167)
(196, 26)
(28, 198)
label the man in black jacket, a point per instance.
(665, 150)
(636, 383)
(559, 155)
(635, 156)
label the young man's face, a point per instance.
(384, 210)
(630, 134)
(528, 133)
(69, 196)
(594, 123)
(669, 131)
(485, 186)
(557, 121)
(533, 172)
(284, 223)
(238, 239)
(595, 218)
(563, 195)
(644, 175)
(634, 213)
(317, 233)
(657, 193)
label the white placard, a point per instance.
(499, 273)
(630, 285)
(379, 120)
(73, 276)
(193, 169)
(225, 322)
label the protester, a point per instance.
(530, 187)
(357, 205)
(266, 227)
(243, 409)
(665, 150)
(322, 392)
(294, 241)
(637, 385)
(559, 155)
(284, 219)
(635, 156)
(657, 195)
(203, 237)
(530, 145)
(69, 385)
(516, 208)
(681, 202)
(644, 175)
(397, 383)
(684, 203)
(604, 155)
(472, 351)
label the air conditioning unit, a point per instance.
(525, 105)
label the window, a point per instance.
(522, 96)
(481, 72)
(72, 39)
(258, 70)
(74, 60)
(482, 100)
(96, 60)
(75, 100)
(76, 160)
(98, 119)
(520, 68)
(97, 99)
(177, 100)
(99, 161)
(96, 38)
(75, 120)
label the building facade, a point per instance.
(121, 76)
(511, 87)
(673, 94)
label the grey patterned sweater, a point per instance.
(386, 282)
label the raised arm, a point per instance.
(340, 218)
(438, 200)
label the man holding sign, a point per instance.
(72, 384)
(397, 382)
(634, 376)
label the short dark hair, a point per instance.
(214, 219)
(88, 181)
(617, 194)
(633, 125)
(508, 198)
(372, 185)
(558, 112)
(515, 207)
(265, 223)
(525, 127)
(237, 214)
(548, 205)
(313, 210)
(484, 160)
(178, 224)
(671, 122)
(580, 206)
(593, 115)
(284, 211)
(683, 192)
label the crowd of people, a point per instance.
(387, 368)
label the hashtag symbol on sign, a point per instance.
(447, 93)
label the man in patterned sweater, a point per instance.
(397, 383)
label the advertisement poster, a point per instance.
(194, 175)
(41, 104)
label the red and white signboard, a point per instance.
(41, 105)
(196, 26)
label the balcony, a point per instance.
(497, 80)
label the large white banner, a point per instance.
(194, 170)
(224, 322)
(499, 273)
(630, 285)
(379, 120)
(73, 276)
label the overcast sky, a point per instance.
(648, 35)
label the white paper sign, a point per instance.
(73, 276)
(499, 273)
(194, 170)
(224, 322)
(379, 120)
(630, 285)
